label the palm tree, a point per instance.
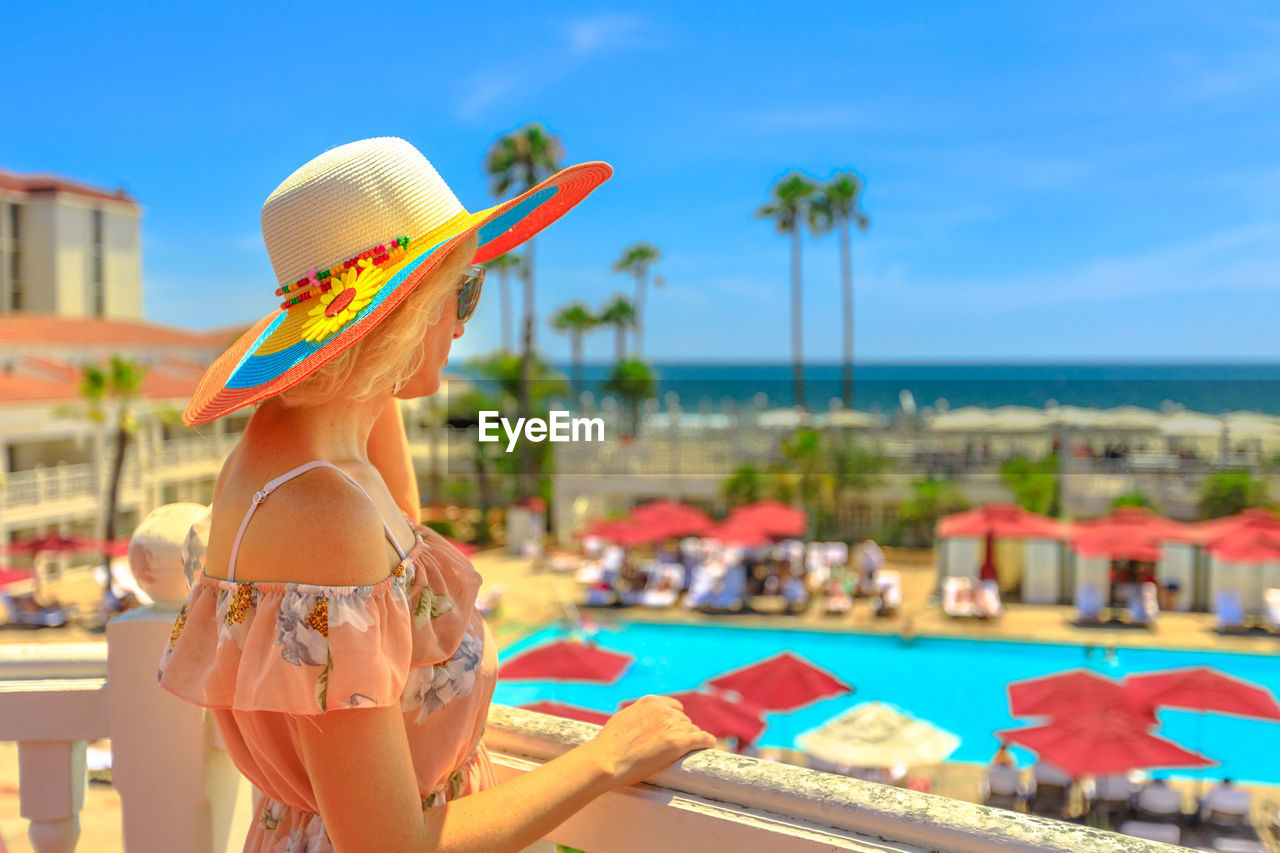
(115, 387)
(620, 314)
(745, 485)
(633, 381)
(503, 265)
(837, 207)
(516, 163)
(575, 320)
(637, 259)
(787, 207)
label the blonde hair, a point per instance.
(391, 352)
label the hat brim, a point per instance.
(273, 355)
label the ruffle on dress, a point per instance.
(307, 648)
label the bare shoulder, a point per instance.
(316, 528)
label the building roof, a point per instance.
(21, 330)
(25, 387)
(51, 184)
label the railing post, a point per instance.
(52, 782)
(178, 789)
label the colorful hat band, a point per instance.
(314, 283)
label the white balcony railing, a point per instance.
(179, 792)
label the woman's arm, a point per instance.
(389, 453)
(362, 772)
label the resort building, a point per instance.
(68, 249)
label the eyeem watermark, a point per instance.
(561, 427)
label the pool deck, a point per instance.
(533, 599)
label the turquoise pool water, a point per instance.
(958, 684)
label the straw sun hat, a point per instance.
(349, 235)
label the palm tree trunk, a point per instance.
(637, 336)
(846, 287)
(113, 496)
(482, 492)
(620, 343)
(576, 341)
(526, 487)
(797, 340)
(504, 283)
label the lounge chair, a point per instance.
(1168, 833)
(665, 581)
(702, 587)
(1238, 845)
(888, 598)
(957, 597)
(1002, 787)
(987, 600)
(1271, 609)
(1230, 611)
(23, 610)
(601, 595)
(488, 601)
(731, 595)
(837, 603)
(1144, 605)
(590, 572)
(1089, 603)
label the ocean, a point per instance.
(1211, 388)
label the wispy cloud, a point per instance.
(606, 33)
(484, 93)
(580, 41)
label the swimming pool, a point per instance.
(959, 684)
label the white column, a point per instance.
(52, 780)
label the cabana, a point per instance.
(1027, 550)
(1174, 564)
(1244, 564)
(1240, 557)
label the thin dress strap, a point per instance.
(270, 487)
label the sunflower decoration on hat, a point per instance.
(349, 235)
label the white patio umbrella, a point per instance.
(876, 734)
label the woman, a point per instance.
(336, 641)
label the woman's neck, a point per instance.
(337, 430)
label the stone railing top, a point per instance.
(53, 660)
(880, 812)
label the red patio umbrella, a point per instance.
(1102, 743)
(618, 531)
(738, 534)
(671, 518)
(781, 683)
(569, 712)
(1256, 518)
(1204, 688)
(10, 575)
(1137, 518)
(54, 542)
(1117, 544)
(1246, 545)
(718, 715)
(771, 518)
(1068, 694)
(1002, 521)
(565, 660)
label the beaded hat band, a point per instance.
(349, 235)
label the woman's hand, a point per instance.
(645, 737)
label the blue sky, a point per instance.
(1045, 180)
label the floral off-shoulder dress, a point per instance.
(256, 653)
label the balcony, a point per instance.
(179, 792)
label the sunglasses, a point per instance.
(469, 291)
